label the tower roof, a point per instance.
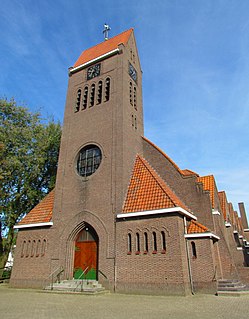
(103, 48)
(147, 190)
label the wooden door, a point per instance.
(85, 260)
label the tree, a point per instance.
(29, 148)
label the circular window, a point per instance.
(89, 159)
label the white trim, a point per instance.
(240, 236)
(202, 235)
(246, 230)
(239, 248)
(103, 56)
(235, 232)
(227, 224)
(158, 212)
(33, 225)
(215, 212)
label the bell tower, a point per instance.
(102, 130)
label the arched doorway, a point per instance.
(86, 254)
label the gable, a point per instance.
(40, 214)
(147, 191)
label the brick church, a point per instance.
(122, 212)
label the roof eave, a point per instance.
(86, 64)
(33, 225)
(157, 212)
(202, 235)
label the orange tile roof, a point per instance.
(103, 48)
(223, 204)
(195, 227)
(41, 213)
(147, 190)
(209, 185)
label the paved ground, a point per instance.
(26, 303)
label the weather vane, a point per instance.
(106, 30)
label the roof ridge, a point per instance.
(103, 48)
(106, 41)
(163, 153)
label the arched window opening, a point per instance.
(131, 98)
(137, 244)
(28, 248)
(129, 244)
(23, 248)
(33, 248)
(163, 238)
(154, 242)
(146, 246)
(135, 118)
(78, 99)
(99, 95)
(92, 95)
(43, 248)
(85, 98)
(38, 247)
(194, 254)
(135, 97)
(107, 89)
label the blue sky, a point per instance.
(195, 61)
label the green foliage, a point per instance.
(29, 149)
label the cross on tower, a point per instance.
(105, 31)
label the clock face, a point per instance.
(132, 72)
(93, 71)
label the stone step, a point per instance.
(231, 287)
(90, 286)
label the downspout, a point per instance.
(188, 257)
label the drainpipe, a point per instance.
(188, 257)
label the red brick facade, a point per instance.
(158, 229)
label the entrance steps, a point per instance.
(232, 287)
(77, 286)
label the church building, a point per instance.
(122, 212)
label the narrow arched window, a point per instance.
(107, 89)
(193, 247)
(28, 248)
(135, 120)
(131, 97)
(99, 95)
(38, 248)
(77, 102)
(92, 95)
(132, 120)
(129, 244)
(146, 246)
(154, 239)
(33, 248)
(23, 248)
(85, 98)
(137, 243)
(135, 97)
(163, 238)
(43, 248)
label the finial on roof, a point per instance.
(105, 31)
